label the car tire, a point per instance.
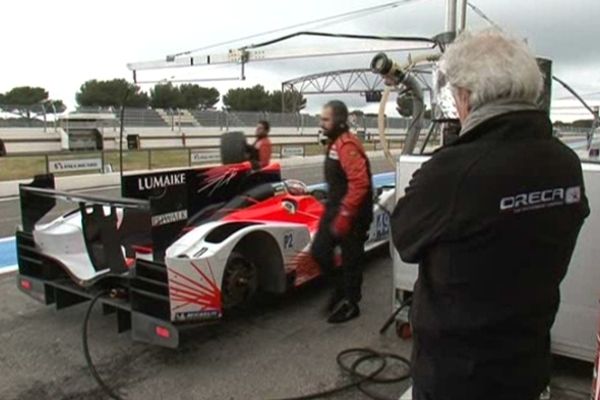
(234, 148)
(240, 282)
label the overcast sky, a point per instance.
(60, 44)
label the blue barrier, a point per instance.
(8, 254)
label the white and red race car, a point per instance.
(200, 242)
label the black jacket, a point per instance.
(492, 220)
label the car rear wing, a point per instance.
(154, 222)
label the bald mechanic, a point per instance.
(348, 213)
(492, 220)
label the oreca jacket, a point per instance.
(492, 220)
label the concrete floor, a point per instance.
(280, 349)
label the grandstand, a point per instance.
(143, 117)
(175, 118)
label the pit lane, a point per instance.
(282, 348)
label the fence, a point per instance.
(25, 166)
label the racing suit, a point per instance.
(492, 219)
(261, 152)
(350, 195)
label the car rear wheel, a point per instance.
(240, 282)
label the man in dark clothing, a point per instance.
(260, 151)
(492, 220)
(262, 144)
(348, 213)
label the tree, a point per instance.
(28, 102)
(293, 101)
(165, 95)
(248, 99)
(111, 93)
(194, 96)
(56, 105)
(583, 123)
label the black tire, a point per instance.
(240, 282)
(234, 148)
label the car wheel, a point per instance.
(240, 282)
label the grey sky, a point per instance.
(62, 43)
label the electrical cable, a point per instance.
(342, 17)
(479, 12)
(86, 351)
(344, 36)
(360, 380)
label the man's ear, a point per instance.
(462, 98)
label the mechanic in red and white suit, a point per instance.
(348, 213)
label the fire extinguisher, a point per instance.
(596, 381)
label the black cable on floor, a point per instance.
(360, 380)
(86, 351)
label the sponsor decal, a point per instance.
(382, 226)
(200, 252)
(541, 199)
(196, 315)
(152, 182)
(75, 165)
(168, 218)
(292, 151)
(205, 157)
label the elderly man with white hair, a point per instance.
(492, 220)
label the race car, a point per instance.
(206, 243)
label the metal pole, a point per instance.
(179, 112)
(55, 117)
(451, 15)
(121, 128)
(45, 119)
(462, 16)
(282, 98)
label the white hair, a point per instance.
(492, 66)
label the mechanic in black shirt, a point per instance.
(492, 220)
(348, 212)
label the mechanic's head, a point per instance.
(334, 118)
(262, 129)
(489, 67)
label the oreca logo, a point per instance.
(542, 198)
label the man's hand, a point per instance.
(342, 224)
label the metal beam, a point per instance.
(343, 81)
